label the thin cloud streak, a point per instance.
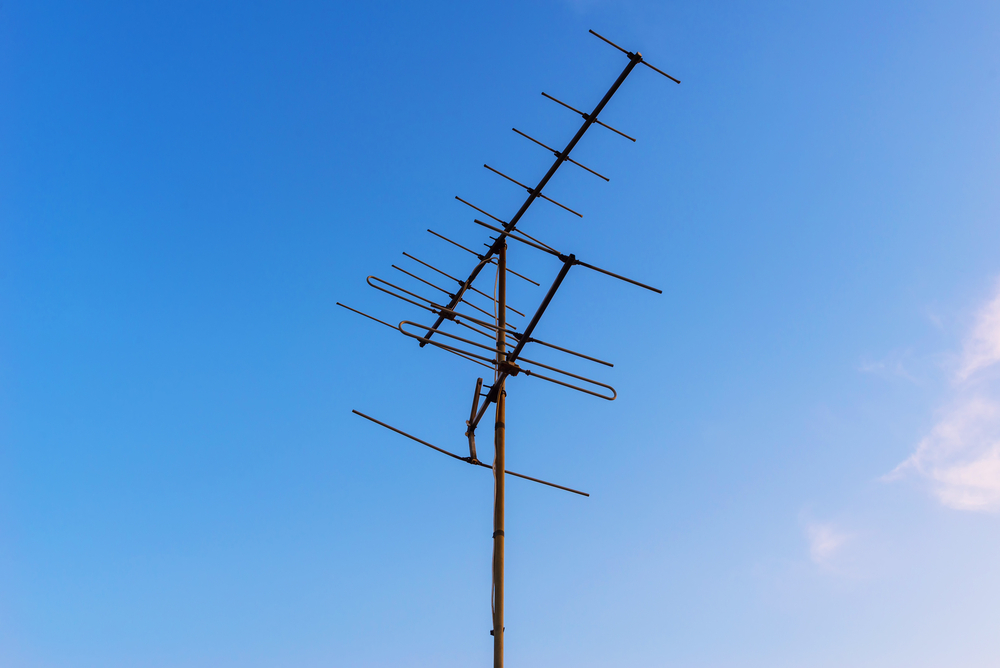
(960, 457)
(982, 347)
(825, 542)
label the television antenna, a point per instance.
(503, 356)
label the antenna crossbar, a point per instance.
(528, 188)
(584, 114)
(554, 151)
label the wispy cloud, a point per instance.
(982, 346)
(825, 542)
(894, 365)
(960, 457)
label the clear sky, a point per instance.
(802, 468)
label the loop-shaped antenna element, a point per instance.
(437, 309)
(559, 155)
(532, 191)
(634, 56)
(531, 373)
(587, 116)
(422, 339)
(455, 351)
(445, 346)
(468, 460)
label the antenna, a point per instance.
(502, 351)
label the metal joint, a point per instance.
(510, 368)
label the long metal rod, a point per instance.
(499, 464)
(468, 460)
(587, 122)
(551, 251)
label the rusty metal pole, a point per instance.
(499, 462)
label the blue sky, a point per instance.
(802, 468)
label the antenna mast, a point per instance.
(504, 358)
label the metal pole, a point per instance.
(499, 462)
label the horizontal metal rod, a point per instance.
(528, 236)
(409, 436)
(656, 69)
(455, 243)
(521, 276)
(558, 154)
(571, 352)
(528, 477)
(370, 317)
(490, 215)
(587, 117)
(545, 197)
(447, 275)
(481, 257)
(475, 329)
(563, 257)
(510, 235)
(468, 460)
(621, 278)
(627, 53)
(633, 55)
(438, 287)
(403, 290)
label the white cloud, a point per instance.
(982, 347)
(960, 457)
(825, 542)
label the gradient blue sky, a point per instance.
(803, 465)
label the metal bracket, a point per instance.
(510, 368)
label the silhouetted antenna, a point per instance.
(503, 353)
